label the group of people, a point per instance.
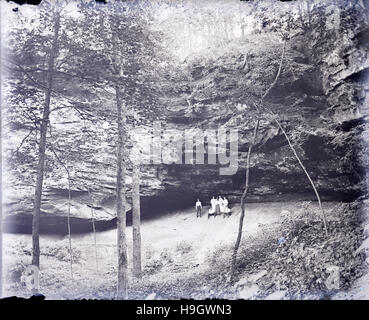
(218, 206)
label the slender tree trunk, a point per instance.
(243, 197)
(95, 240)
(121, 202)
(1, 225)
(306, 173)
(1, 197)
(1, 184)
(240, 226)
(93, 227)
(278, 73)
(69, 228)
(69, 211)
(136, 220)
(42, 147)
(290, 144)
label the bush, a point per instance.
(301, 263)
(153, 266)
(166, 256)
(18, 249)
(184, 247)
(15, 272)
(60, 251)
(299, 258)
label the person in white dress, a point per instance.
(226, 211)
(221, 205)
(213, 204)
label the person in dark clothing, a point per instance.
(198, 206)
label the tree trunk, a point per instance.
(69, 228)
(95, 240)
(93, 226)
(1, 205)
(121, 201)
(136, 220)
(306, 173)
(290, 144)
(242, 216)
(240, 226)
(69, 211)
(42, 147)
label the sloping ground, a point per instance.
(185, 256)
(360, 288)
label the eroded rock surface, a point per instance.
(319, 98)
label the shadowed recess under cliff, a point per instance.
(318, 99)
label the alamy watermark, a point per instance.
(189, 146)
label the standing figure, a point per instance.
(227, 211)
(213, 203)
(198, 208)
(217, 207)
(221, 204)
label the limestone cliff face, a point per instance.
(319, 97)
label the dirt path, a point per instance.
(202, 234)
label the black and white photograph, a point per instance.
(184, 149)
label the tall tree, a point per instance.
(123, 56)
(1, 187)
(1, 170)
(115, 38)
(45, 60)
(40, 50)
(136, 220)
(121, 199)
(52, 54)
(252, 143)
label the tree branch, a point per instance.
(23, 140)
(278, 73)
